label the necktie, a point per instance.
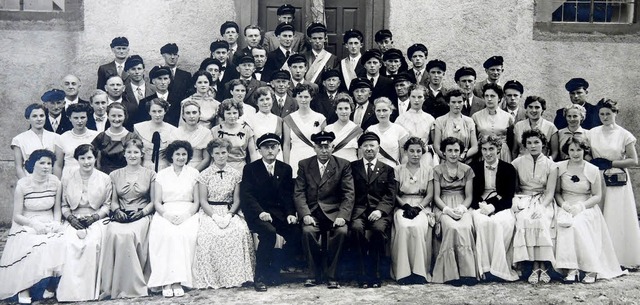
(281, 102)
(513, 114)
(418, 73)
(322, 167)
(358, 115)
(54, 125)
(173, 72)
(140, 94)
(270, 170)
(287, 54)
(332, 97)
(369, 170)
(371, 79)
(491, 168)
(119, 68)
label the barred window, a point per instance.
(594, 11)
(33, 5)
(66, 15)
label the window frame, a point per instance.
(588, 27)
(72, 19)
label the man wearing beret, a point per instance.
(120, 49)
(298, 67)
(375, 194)
(494, 68)
(286, 14)
(246, 66)
(318, 58)
(180, 79)
(136, 88)
(220, 51)
(161, 80)
(71, 87)
(56, 120)
(465, 77)
(325, 100)
(266, 197)
(513, 91)
(363, 115)
(277, 59)
(229, 31)
(384, 41)
(253, 38)
(382, 85)
(577, 88)
(417, 54)
(392, 60)
(324, 198)
(402, 84)
(435, 103)
(284, 104)
(350, 66)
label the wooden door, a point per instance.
(268, 14)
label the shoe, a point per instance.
(363, 285)
(544, 276)
(310, 283)
(534, 277)
(178, 292)
(48, 294)
(167, 292)
(376, 284)
(24, 298)
(260, 286)
(571, 277)
(590, 278)
(333, 285)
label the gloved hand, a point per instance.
(410, 212)
(75, 222)
(602, 163)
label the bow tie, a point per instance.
(100, 119)
(223, 68)
(491, 168)
(258, 71)
(220, 172)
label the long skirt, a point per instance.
(494, 235)
(533, 239)
(411, 245)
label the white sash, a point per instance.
(317, 66)
(347, 73)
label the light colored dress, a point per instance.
(262, 123)
(533, 238)
(586, 244)
(29, 257)
(389, 142)
(80, 279)
(198, 139)
(565, 134)
(496, 124)
(456, 257)
(172, 247)
(29, 141)
(208, 109)
(308, 125)
(419, 124)
(111, 152)
(68, 142)
(239, 143)
(619, 202)
(349, 149)
(224, 257)
(145, 131)
(545, 127)
(461, 127)
(411, 239)
(125, 248)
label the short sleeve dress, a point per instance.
(497, 124)
(29, 141)
(239, 143)
(389, 142)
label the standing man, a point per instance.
(384, 41)
(318, 58)
(363, 115)
(260, 60)
(435, 103)
(246, 66)
(266, 196)
(120, 49)
(350, 66)
(284, 104)
(298, 67)
(465, 77)
(161, 80)
(577, 88)
(71, 86)
(513, 91)
(402, 84)
(56, 120)
(375, 192)
(136, 87)
(418, 54)
(286, 14)
(392, 60)
(220, 51)
(324, 197)
(277, 59)
(382, 85)
(180, 79)
(494, 68)
(230, 31)
(253, 38)
(325, 100)
(98, 120)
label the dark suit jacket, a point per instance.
(261, 193)
(173, 114)
(424, 77)
(290, 105)
(592, 119)
(180, 84)
(230, 73)
(299, 44)
(384, 87)
(275, 60)
(436, 105)
(106, 70)
(359, 71)
(377, 193)
(323, 105)
(369, 117)
(332, 63)
(477, 104)
(63, 126)
(131, 96)
(91, 123)
(332, 194)
(506, 178)
(396, 112)
(251, 90)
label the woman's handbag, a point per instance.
(615, 179)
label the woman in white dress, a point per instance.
(174, 228)
(264, 121)
(34, 138)
(574, 114)
(86, 197)
(534, 108)
(583, 244)
(455, 124)
(613, 149)
(68, 141)
(494, 120)
(146, 131)
(346, 131)
(194, 133)
(302, 123)
(205, 97)
(419, 123)
(392, 135)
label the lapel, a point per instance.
(314, 171)
(377, 171)
(368, 112)
(358, 167)
(329, 171)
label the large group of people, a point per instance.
(193, 181)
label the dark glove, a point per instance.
(136, 216)
(602, 163)
(89, 220)
(75, 223)
(411, 212)
(120, 216)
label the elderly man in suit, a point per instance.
(318, 59)
(266, 199)
(417, 54)
(284, 104)
(325, 100)
(465, 77)
(493, 66)
(180, 79)
(286, 14)
(375, 192)
(363, 115)
(402, 83)
(120, 49)
(56, 120)
(136, 87)
(324, 196)
(71, 87)
(435, 103)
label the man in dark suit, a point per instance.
(375, 192)
(392, 60)
(98, 119)
(180, 79)
(417, 54)
(402, 83)
(382, 86)
(384, 42)
(513, 91)
(350, 67)
(277, 59)
(229, 30)
(245, 66)
(260, 59)
(284, 104)
(220, 51)
(286, 14)
(161, 80)
(325, 100)
(253, 38)
(120, 49)
(493, 66)
(465, 77)
(324, 196)
(298, 67)
(266, 199)
(577, 88)
(136, 87)
(115, 92)
(363, 115)
(71, 86)
(318, 59)
(56, 121)
(435, 103)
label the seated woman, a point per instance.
(455, 124)
(34, 138)
(417, 122)
(125, 247)
(534, 207)
(174, 228)
(452, 194)
(194, 133)
(205, 97)
(264, 121)
(392, 135)
(583, 243)
(86, 199)
(494, 186)
(239, 134)
(35, 249)
(225, 255)
(346, 131)
(110, 143)
(413, 221)
(155, 134)
(68, 141)
(574, 114)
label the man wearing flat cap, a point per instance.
(363, 115)
(180, 79)
(120, 49)
(245, 66)
(161, 79)
(382, 85)
(318, 58)
(493, 66)
(325, 100)
(465, 77)
(324, 198)
(417, 54)
(513, 91)
(384, 40)
(266, 199)
(56, 120)
(435, 103)
(350, 66)
(230, 31)
(136, 87)
(577, 88)
(375, 194)
(402, 83)
(277, 59)
(392, 61)
(220, 51)
(284, 104)
(298, 67)
(286, 14)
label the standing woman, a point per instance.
(413, 221)
(197, 135)
(237, 91)
(392, 135)
(417, 122)
(301, 123)
(154, 146)
(125, 247)
(452, 195)
(614, 150)
(110, 143)
(534, 207)
(213, 66)
(86, 197)
(225, 255)
(346, 131)
(34, 250)
(68, 141)
(494, 120)
(264, 121)
(534, 108)
(574, 114)
(34, 138)
(455, 124)
(174, 228)
(205, 97)
(237, 132)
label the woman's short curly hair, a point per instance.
(227, 105)
(219, 142)
(533, 133)
(304, 87)
(37, 155)
(450, 141)
(491, 139)
(581, 142)
(83, 149)
(175, 145)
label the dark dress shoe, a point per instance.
(363, 285)
(310, 283)
(333, 285)
(376, 284)
(260, 286)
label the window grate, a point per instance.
(594, 11)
